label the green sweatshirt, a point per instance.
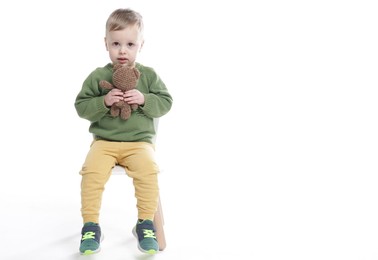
(139, 126)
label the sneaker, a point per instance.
(90, 238)
(145, 232)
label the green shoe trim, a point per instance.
(88, 252)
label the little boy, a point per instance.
(118, 141)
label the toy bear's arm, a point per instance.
(106, 85)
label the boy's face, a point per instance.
(124, 45)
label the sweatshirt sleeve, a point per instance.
(89, 102)
(158, 101)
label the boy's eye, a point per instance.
(115, 43)
(130, 44)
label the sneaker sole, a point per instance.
(150, 252)
(90, 252)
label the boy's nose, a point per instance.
(122, 50)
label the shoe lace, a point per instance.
(89, 235)
(148, 233)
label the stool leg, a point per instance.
(159, 223)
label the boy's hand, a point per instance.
(113, 96)
(133, 96)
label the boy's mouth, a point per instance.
(122, 60)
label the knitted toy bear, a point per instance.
(124, 78)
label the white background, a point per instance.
(269, 151)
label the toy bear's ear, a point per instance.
(137, 73)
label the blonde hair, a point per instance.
(121, 18)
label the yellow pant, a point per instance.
(138, 160)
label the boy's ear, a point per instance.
(106, 45)
(141, 45)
